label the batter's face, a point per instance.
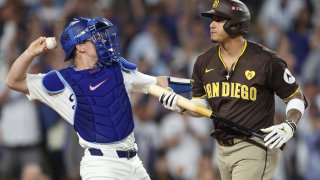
(217, 33)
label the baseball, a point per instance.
(51, 43)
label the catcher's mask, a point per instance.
(99, 30)
(235, 12)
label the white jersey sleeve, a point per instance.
(62, 103)
(136, 81)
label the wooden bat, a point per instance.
(191, 106)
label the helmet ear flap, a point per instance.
(236, 28)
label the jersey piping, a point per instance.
(220, 57)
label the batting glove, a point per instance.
(279, 134)
(169, 101)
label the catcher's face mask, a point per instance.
(99, 30)
(105, 39)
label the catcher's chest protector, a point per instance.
(103, 111)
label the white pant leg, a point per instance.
(107, 168)
(139, 172)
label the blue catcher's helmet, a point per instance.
(96, 29)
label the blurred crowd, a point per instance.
(163, 37)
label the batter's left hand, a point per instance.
(278, 135)
(169, 101)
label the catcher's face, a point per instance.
(87, 55)
(217, 32)
(91, 50)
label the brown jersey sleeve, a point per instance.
(196, 81)
(280, 78)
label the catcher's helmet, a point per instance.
(98, 31)
(235, 12)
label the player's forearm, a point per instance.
(294, 115)
(16, 78)
(162, 81)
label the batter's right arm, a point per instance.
(16, 78)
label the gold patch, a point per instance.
(215, 4)
(250, 74)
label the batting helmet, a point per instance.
(98, 30)
(235, 12)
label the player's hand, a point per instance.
(169, 101)
(37, 47)
(278, 135)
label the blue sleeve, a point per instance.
(179, 85)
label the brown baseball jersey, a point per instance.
(245, 93)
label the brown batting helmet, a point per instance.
(235, 12)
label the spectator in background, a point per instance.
(10, 14)
(48, 13)
(305, 131)
(22, 154)
(22, 151)
(313, 144)
(77, 8)
(184, 138)
(311, 65)
(193, 42)
(284, 51)
(72, 154)
(146, 131)
(104, 8)
(286, 162)
(315, 4)
(299, 36)
(144, 45)
(161, 169)
(206, 171)
(276, 16)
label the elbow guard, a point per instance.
(179, 85)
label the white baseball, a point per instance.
(51, 43)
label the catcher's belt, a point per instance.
(113, 153)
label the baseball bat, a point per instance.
(191, 106)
